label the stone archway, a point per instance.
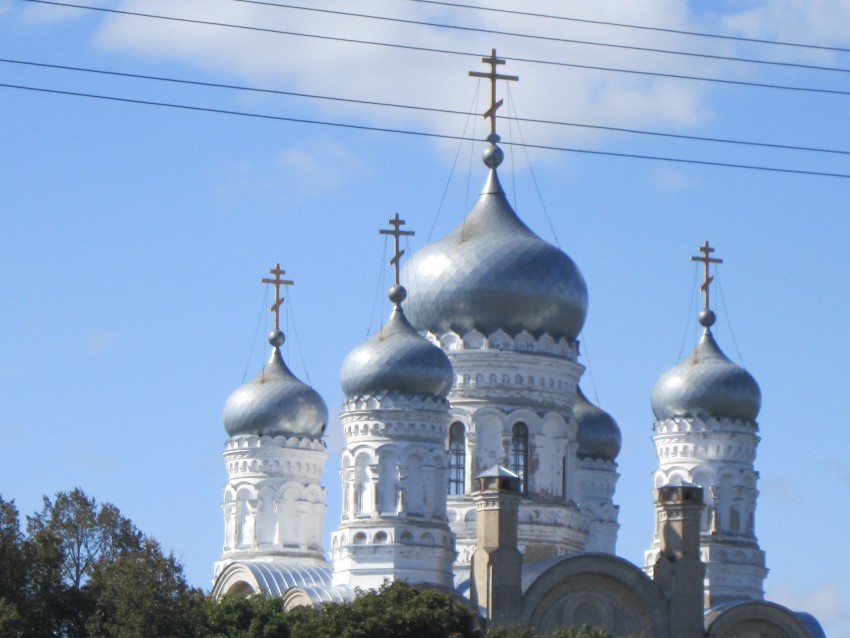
(595, 589)
(758, 619)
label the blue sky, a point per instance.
(135, 237)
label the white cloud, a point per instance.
(839, 468)
(48, 13)
(96, 344)
(781, 491)
(822, 22)
(319, 165)
(439, 80)
(827, 601)
(671, 179)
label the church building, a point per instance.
(474, 462)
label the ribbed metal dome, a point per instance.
(396, 360)
(492, 272)
(598, 433)
(706, 384)
(275, 402)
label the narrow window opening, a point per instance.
(457, 458)
(519, 455)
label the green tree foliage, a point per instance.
(141, 593)
(86, 533)
(251, 617)
(13, 573)
(85, 571)
(396, 610)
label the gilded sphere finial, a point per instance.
(707, 318)
(398, 294)
(493, 155)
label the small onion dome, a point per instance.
(492, 272)
(396, 360)
(706, 384)
(598, 433)
(275, 402)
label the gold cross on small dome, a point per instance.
(396, 232)
(493, 61)
(706, 250)
(277, 282)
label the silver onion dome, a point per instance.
(275, 402)
(396, 360)
(706, 384)
(492, 272)
(598, 433)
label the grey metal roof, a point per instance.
(275, 578)
(492, 272)
(396, 359)
(706, 384)
(497, 471)
(598, 433)
(809, 622)
(275, 402)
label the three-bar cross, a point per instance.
(396, 232)
(493, 61)
(277, 282)
(706, 250)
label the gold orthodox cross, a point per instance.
(493, 61)
(396, 232)
(706, 250)
(277, 282)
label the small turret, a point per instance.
(274, 502)
(679, 572)
(497, 562)
(395, 479)
(706, 432)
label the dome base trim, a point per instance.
(523, 341)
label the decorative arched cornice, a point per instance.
(758, 617)
(270, 578)
(626, 599)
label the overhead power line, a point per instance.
(238, 87)
(700, 34)
(360, 127)
(531, 36)
(408, 47)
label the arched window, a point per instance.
(457, 458)
(519, 455)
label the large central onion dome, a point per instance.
(396, 360)
(492, 272)
(275, 402)
(598, 433)
(706, 384)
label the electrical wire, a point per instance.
(412, 107)
(363, 127)
(546, 38)
(700, 34)
(409, 47)
(238, 87)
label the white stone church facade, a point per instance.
(474, 462)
